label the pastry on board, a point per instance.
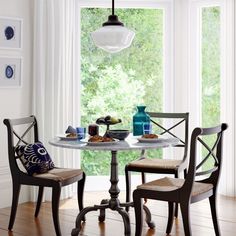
(150, 136)
(98, 138)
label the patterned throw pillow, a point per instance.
(34, 158)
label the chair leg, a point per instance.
(184, 206)
(212, 201)
(56, 192)
(128, 186)
(80, 192)
(185, 173)
(176, 204)
(15, 199)
(39, 201)
(170, 217)
(138, 209)
(143, 175)
(143, 178)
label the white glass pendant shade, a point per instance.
(113, 38)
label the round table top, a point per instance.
(130, 143)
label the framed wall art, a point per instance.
(10, 33)
(10, 72)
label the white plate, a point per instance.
(64, 138)
(99, 143)
(152, 140)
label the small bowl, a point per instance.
(120, 134)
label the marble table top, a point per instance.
(130, 143)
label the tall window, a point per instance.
(210, 70)
(114, 84)
(210, 66)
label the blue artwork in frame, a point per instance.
(9, 32)
(9, 72)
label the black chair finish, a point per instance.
(175, 167)
(55, 178)
(188, 190)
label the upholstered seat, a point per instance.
(156, 163)
(170, 184)
(60, 174)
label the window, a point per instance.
(210, 71)
(114, 84)
(208, 50)
(210, 66)
(196, 75)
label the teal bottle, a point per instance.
(139, 119)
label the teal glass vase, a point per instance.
(139, 120)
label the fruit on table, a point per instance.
(114, 120)
(101, 121)
(108, 120)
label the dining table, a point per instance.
(129, 144)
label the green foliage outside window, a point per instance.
(210, 71)
(114, 84)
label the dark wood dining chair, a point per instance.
(144, 164)
(56, 178)
(188, 190)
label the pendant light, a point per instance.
(113, 36)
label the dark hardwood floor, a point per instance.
(27, 225)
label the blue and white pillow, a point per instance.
(34, 158)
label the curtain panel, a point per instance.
(56, 87)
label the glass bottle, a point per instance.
(139, 119)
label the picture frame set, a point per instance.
(10, 40)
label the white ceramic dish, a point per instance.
(99, 143)
(152, 140)
(64, 138)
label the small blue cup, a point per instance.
(81, 132)
(147, 128)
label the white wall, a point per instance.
(15, 102)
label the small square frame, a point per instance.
(11, 33)
(11, 72)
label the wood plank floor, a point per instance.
(27, 225)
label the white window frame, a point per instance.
(168, 75)
(167, 5)
(195, 65)
(182, 65)
(228, 180)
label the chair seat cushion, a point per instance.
(155, 163)
(60, 174)
(170, 184)
(34, 158)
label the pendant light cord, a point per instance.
(113, 7)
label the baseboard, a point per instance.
(101, 183)
(6, 188)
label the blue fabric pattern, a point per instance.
(34, 158)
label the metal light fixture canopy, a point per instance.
(113, 36)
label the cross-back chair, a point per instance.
(55, 178)
(162, 166)
(188, 190)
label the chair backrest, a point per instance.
(177, 120)
(19, 131)
(214, 149)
